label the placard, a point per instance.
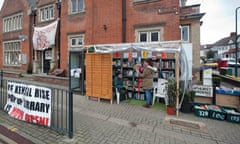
(29, 103)
(202, 90)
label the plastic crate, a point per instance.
(215, 112)
(233, 115)
(200, 112)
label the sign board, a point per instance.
(29, 103)
(202, 90)
(207, 77)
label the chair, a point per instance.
(160, 91)
(117, 94)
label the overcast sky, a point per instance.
(219, 20)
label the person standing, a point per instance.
(147, 81)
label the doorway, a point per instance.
(77, 71)
(47, 57)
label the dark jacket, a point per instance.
(147, 78)
(118, 82)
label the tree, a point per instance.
(210, 54)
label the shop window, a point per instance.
(149, 36)
(12, 53)
(77, 6)
(47, 13)
(185, 33)
(76, 41)
(12, 23)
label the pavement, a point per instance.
(103, 123)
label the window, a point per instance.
(47, 13)
(12, 53)
(12, 23)
(77, 6)
(185, 33)
(149, 36)
(76, 41)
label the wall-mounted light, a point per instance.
(105, 27)
(22, 37)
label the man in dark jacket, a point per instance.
(118, 83)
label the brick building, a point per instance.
(85, 22)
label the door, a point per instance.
(77, 71)
(47, 57)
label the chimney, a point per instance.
(232, 34)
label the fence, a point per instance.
(61, 105)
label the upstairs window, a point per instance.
(12, 23)
(77, 6)
(47, 13)
(149, 36)
(185, 33)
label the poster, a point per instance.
(207, 77)
(201, 90)
(29, 103)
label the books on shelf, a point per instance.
(168, 64)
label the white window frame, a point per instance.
(149, 31)
(188, 33)
(76, 38)
(12, 53)
(78, 10)
(12, 23)
(47, 13)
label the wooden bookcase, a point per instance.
(98, 76)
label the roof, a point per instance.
(206, 47)
(224, 41)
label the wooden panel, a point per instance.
(99, 75)
(88, 75)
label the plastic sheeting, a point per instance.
(165, 46)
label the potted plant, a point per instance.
(29, 68)
(188, 100)
(171, 92)
(216, 81)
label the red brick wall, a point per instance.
(163, 11)
(91, 23)
(99, 13)
(9, 8)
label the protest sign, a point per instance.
(29, 103)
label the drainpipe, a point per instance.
(32, 23)
(59, 32)
(124, 21)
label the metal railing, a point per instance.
(61, 105)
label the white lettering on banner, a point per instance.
(44, 37)
(201, 90)
(29, 103)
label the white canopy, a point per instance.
(175, 47)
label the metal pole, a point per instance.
(236, 45)
(70, 106)
(70, 111)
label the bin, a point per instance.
(233, 115)
(225, 71)
(201, 110)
